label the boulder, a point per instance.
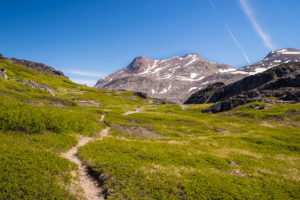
(142, 95)
(3, 74)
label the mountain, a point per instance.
(176, 79)
(278, 83)
(274, 58)
(39, 67)
(166, 79)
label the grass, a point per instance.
(162, 152)
(241, 154)
(28, 170)
(16, 116)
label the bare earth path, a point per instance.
(90, 187)
(131, 112)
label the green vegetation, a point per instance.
(241, 154)
(162, 152)
(29, 171)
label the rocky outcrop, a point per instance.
(36, 86)
(141, 95)
(281, 82)
(39, 67)
(204, 95)
(3, 74)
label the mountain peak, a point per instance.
(141, 58)
(284, 51)
(139, 65)
(172, 79)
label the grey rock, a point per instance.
(34, 85)
(3, 73)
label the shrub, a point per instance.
(17, 116)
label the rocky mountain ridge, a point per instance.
(173, 79)
(177, 78)
(278, 83)
(39, 67)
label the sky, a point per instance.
(89, 39)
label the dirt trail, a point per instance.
(92, 190)
(102, 118)
(183, 106)
(136, 111)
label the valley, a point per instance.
(129, 146)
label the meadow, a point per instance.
(164, 151)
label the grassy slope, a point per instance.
(163, 152)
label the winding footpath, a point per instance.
(132, 112)
(91, 189)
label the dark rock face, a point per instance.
(141, 95)
(281, 82)
(39, 67)
(204, 95)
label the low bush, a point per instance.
(17, 116)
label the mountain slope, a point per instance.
(177, 78)
(39, 67)
(274, 58)
(281, 82)
(164, 79)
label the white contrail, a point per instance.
(264, 36)
(230, 32)
(237, 43)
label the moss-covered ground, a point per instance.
(165, 151)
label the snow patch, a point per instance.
(192, 88)
(240, 72)
(166, 76)
(193, 75)
(290, 52)
(226, 70)
(194, 58)
(150, 67)
(189, 79)
(164, 91)
(174, 68)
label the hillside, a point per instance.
(132, 147)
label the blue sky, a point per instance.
(88, 39)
